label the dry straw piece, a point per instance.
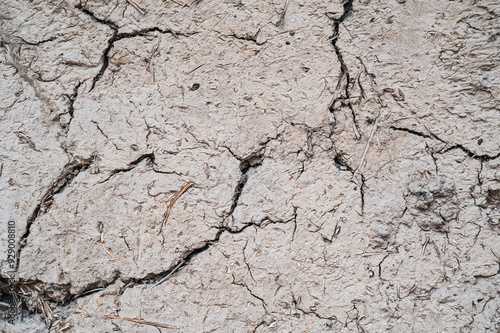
(143, 322)
(184, 189)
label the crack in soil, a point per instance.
(72, 98)
(345, 98)
(469, 153)
(362, 192)
(252, 161)
(154, 279)
(344, 71)
(70, 171)
(247, 38)
(131, 165)
(263, 302)
(342, 164)
(119, 36)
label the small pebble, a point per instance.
(134, 147)
(480, 141)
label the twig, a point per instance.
(184, 189)
(90, 291)
(169, 274)
(367, 145)
(355, 128)
(26, 140)
(213, 27)
(112, 317)
(112, 257)
(192, 70)
(281, 21)
(150, 62)
(139, 9)
(425, 245)
(178, 2)
(150, 323)
(139, 321)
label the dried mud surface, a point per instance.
(325, 166)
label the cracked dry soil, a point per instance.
(324, 165)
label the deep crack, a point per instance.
(154, 279)
(342, 164)
(362, 192)
(131, 165)
(70, 171)
(469, 153)
(344, 71)
(252, 161)
(72, 98)
(118, 36)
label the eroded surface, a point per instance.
(324, 165)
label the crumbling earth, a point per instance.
(324, 165)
